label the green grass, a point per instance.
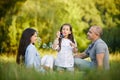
(9, 70)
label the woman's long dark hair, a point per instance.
(70, 36)
(24, 42)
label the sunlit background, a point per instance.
(47, 16)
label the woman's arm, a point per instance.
(29, 57)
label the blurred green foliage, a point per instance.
(47, 16)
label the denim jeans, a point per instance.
(71, 69)
(83, 64)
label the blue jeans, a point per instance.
(71, 69)
(83, 64)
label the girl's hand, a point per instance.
(58, 34)
(75, 50)
(73, 45)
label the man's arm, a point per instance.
(81, 55)
(99, 58)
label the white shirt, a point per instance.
(65, 55)
(32, 57)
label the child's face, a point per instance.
(34, 38)
(66, 30)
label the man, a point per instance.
(97, 51)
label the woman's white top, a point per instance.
(65, 55)
(32, 57)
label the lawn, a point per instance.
(9, 70)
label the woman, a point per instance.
(27, 52)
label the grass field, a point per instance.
(9, 70)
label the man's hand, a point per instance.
(76, 55)
(81, 55)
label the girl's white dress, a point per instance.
(65, 55)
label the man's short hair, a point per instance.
(98, 30)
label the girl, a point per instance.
(27, 51)
(65, 45)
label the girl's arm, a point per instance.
(74, 45)
(75, 49)
(56, 41)
(55, 44)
